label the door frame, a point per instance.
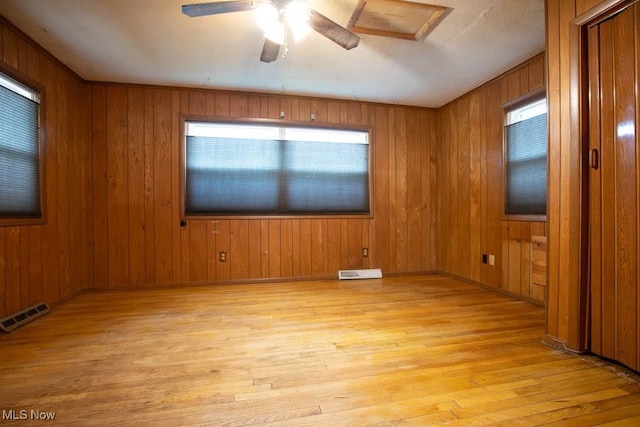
(579, 131)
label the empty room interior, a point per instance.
(337, 212)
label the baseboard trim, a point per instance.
(501, 291)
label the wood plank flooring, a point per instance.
(413, 350)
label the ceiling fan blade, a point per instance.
(214, 8)
(270, 51)
(333, 31)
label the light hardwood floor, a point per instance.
(413, 350)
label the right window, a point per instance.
(526, 158)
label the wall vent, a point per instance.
(15, 320)
(370, 273)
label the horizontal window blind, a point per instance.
(19, 153)
(265, 170)
(526, 167)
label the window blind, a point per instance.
(526, 167)
(276, 172)
(19, 156)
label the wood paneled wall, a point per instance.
(113, 191)
(52, 261)
(137, 235)
(469, 176)
(566, 308)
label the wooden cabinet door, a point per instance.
(614, 186)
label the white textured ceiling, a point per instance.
(152, 42)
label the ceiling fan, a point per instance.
(275, 17)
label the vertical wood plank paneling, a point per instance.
(494, 179)
(62, 172)
(427, 212)
(3, 273)
(264, 245)
(286, 247)
(197, 261)
(475, 191)
(381, 186)
(275, 254)
(255, 250)
(334, 250)
(12, 269)
(469, 208)
(212, 245)
(306, 249)
(525, 259)
(443, 237)
(162, 202)
(296, 259)
(571, 176)
(401, 190)
(223, 243)
(128, 219)
(238, 249)
(463, 176)
(414, 191)
(99, 163)
(117, 186)
(149, 187)
(81, 209)
(174, 160)
(53, 260)
(2, 29)
(455, 228)
(319, 265)
(536, 74)
(513, 258)
(354, 231)
(637, 133)
(23, 284)
(10, 47)
(35, 265)
(554, 52)
(484, 183)
(136, 186)
(392, 200)
(51, 291)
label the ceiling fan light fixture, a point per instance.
(276, 33)
(266, 16)
(297, 11)
(299, 30)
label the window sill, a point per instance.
(531, 218)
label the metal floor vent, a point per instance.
(370, 273)
(13, 321)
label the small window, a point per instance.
(526, 159)
(19, 151)
(273, 169)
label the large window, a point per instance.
(526, 159)
(19, 151)
(274, 169)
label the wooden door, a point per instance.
(614, 186)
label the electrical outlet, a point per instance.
(492, 260)
(365, 252)
(223, 256)
(485, 258)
